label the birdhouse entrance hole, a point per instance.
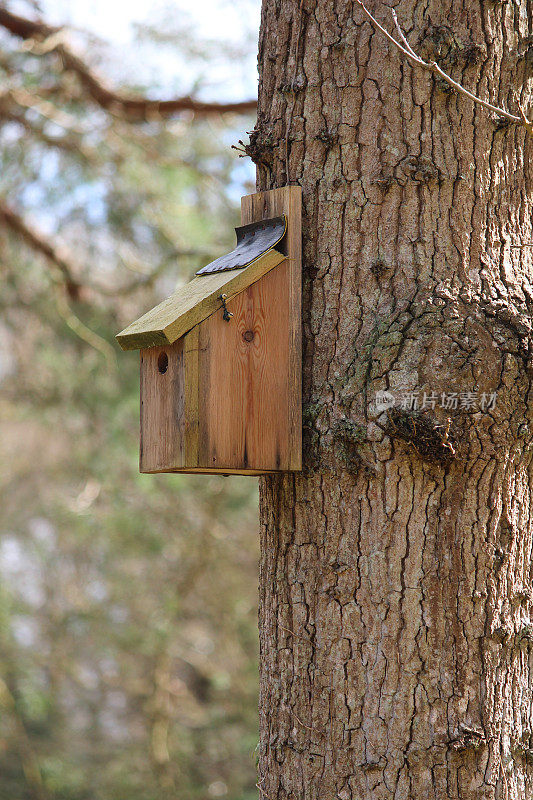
(162, 362)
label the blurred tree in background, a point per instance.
(127, 602)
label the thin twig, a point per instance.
(432, 66)
(414, 58)
(402, 35)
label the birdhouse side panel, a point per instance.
(162, 445)
(244, 380)
(263, 205)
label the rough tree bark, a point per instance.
(396, 580)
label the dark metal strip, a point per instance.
(253, 240)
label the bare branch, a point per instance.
(120, 139)
(46, 39)
(84, 332)
(39, 242)
(432, 66)
(413, 58)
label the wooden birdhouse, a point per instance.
(221, 358)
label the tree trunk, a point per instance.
(396, 586)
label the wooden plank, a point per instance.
(191, 304)
(243, 380)
(169, 406)
(162, 408)
(262, 205)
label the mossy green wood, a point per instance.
(193, 303)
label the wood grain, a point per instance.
(244, 384)
(191, 304)
(262, 205)
(162, 409)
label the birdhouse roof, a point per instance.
(253, 257)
